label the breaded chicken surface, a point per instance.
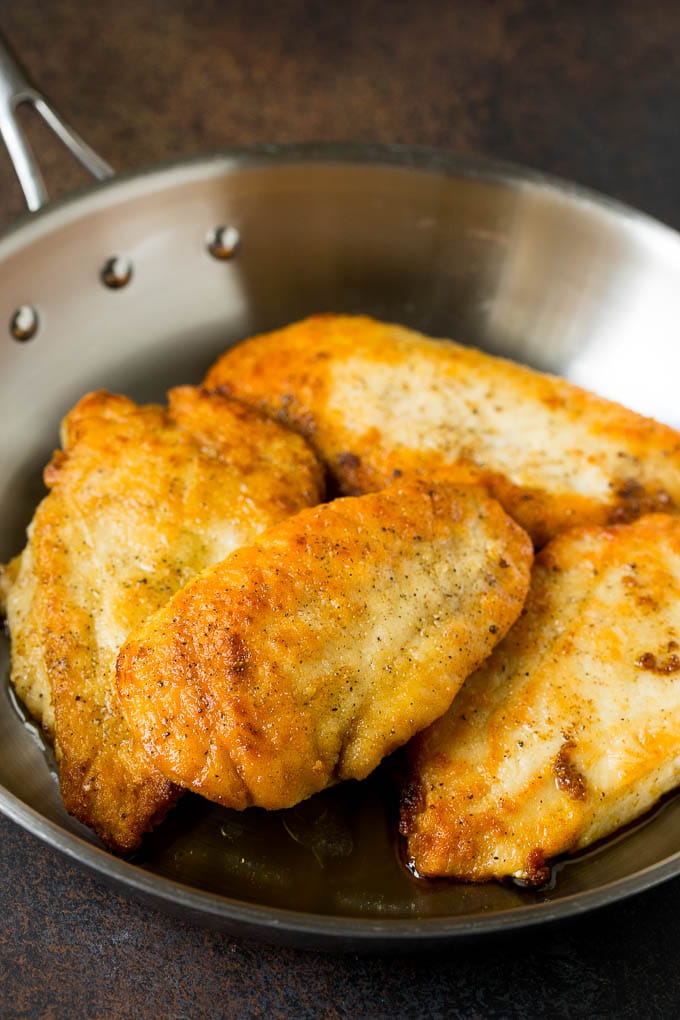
(142, 498)
(306, 657)
(375, 398)
(571, 728)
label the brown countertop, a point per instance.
(586, 91)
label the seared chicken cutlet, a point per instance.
(141, 499)
(374, 398)
(306, 657)
(571, 728)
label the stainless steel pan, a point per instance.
(140, 281)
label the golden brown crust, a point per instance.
(142, 498)
(8, 574)
(375, 398)
(571, 728)
(28, 674)
(306, 657)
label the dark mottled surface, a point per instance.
(589, 91)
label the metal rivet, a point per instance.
(117, 272)
(223, 242)
(24, 323)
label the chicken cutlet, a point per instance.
(306, 657)
(375, 399)
(571, 729)
(141, 499)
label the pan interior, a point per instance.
(516, 265)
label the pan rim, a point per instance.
(149, 178)
(267, 923)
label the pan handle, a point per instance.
(16, 88)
